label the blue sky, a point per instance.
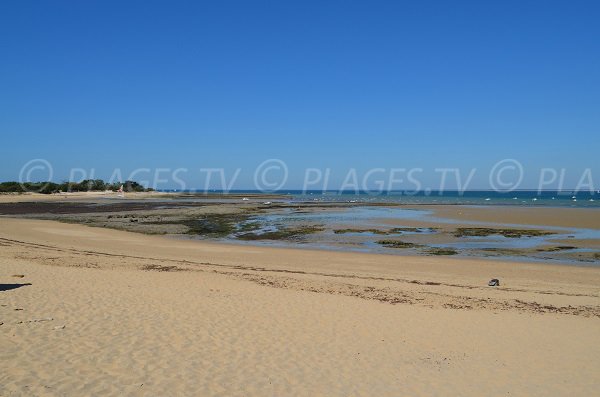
(340, 84)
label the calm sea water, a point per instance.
(473, 197)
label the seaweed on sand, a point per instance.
(214, 225)
(557, 248)
(248, 226)
(396, 244)
(441, 251)
(501, 252)
(509, 233)
(413, 230)
(374, 231)
(394, 230)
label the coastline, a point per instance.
(554, 235)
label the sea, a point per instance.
(545, 198)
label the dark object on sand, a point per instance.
(8, 287)
(494, 282)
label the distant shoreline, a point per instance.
(365, 226)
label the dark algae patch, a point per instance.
(248, 226)
(441, 251)
(396, 244)
(509, 233)
(374, 231)
(210, 226)
(557, 248)
(395, 230)
(412, 230)
(501, 251)
(213, 225)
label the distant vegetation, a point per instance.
(88, 185)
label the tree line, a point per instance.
(87, 185)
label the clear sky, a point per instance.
(338, 84)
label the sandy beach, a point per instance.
(101, 311)
(337, 199)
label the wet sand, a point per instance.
(215, 217)
(76, 196)
(542, 216)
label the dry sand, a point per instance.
(147, 315)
